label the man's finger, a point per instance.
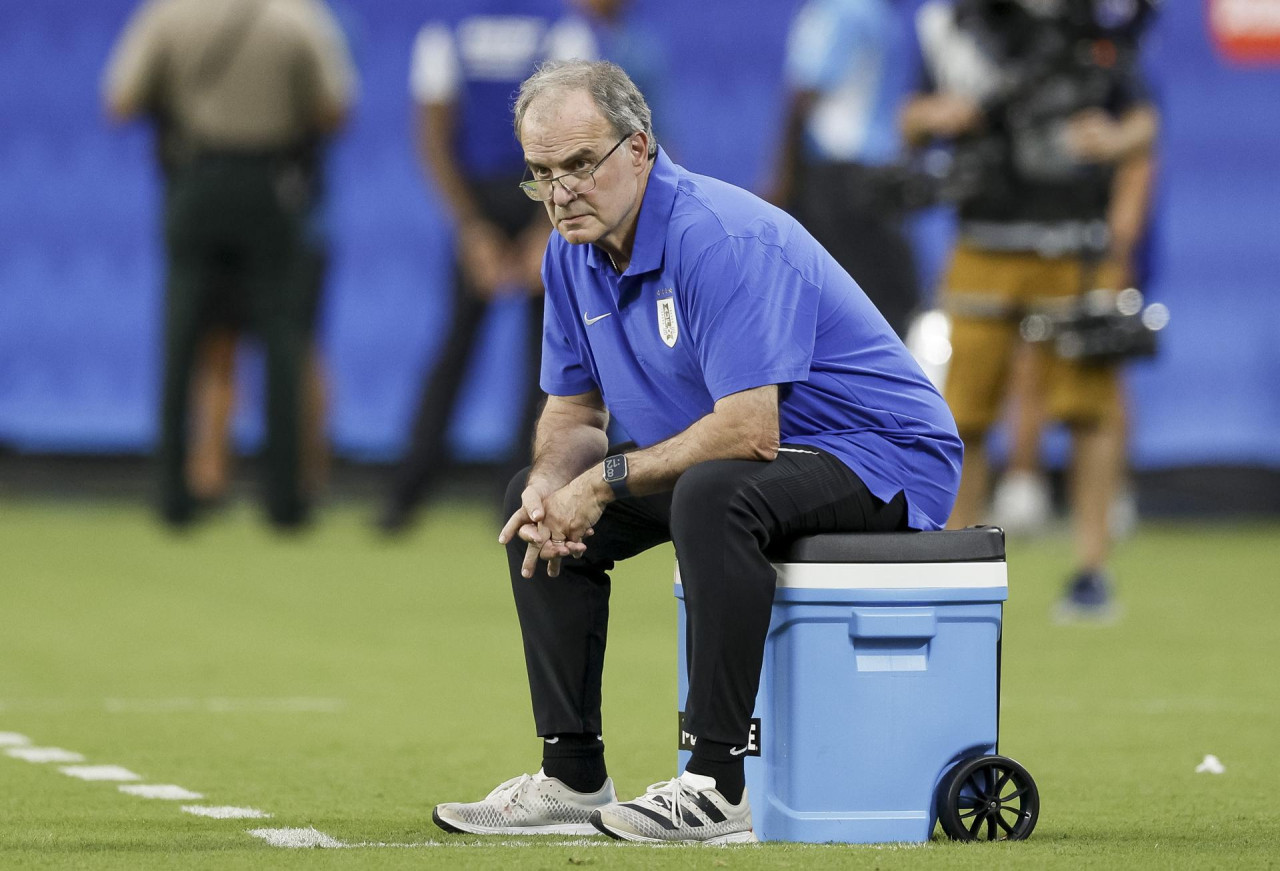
(532, 503)
(530, 560)
(517, 520)
(553, 567)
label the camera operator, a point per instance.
(1052, 133)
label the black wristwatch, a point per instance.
(615, 475)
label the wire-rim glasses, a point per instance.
(581, 181)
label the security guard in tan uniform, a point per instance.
(239, 90)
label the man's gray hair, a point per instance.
(610, 88)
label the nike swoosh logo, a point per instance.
(734, 751)
(589, 321)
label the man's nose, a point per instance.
(561, 195)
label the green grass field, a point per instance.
(341, 682)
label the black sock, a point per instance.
(714, 759)
(575, 760)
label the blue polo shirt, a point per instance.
(724, 292)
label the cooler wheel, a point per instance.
(988, 798)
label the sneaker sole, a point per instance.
(747, 837)
(460, 828)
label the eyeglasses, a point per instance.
(580, 182)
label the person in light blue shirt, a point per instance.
(850, 66)
(767, 398)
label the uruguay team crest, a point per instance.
(668, 327)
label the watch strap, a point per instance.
(616, 473)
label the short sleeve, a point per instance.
(816, 54)
(132, 74)
(954, 63)
(435, 74)
(563, 373)
(336, 79)
(752, 316)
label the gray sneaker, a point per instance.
(687, 809)
(527, 805)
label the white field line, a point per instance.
(167, 791)
(307, 838)
(17, 746)
(296, 838)
(310, 837)
(44, 754)
(602, 841)
(99, 772)
(225, 812)
(535, 841)
(292, 838)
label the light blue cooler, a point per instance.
(881, 674)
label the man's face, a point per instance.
(565, 132)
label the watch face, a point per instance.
(615, 468)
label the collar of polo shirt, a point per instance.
(651, 224)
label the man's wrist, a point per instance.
(543, 484)
(600, 490)
(615, 474)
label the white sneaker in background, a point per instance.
(527, 805)
(1123, 517)
(1022, 504)
(686, 809)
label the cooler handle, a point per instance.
(871, 623)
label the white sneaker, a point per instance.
(1122, 520)
(527, 805)
(686, 809)
(1022, 504)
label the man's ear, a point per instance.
(639, 148)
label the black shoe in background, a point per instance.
(1087, 598)
(394, 520)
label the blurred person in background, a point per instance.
(849, 69)
(214, 385)
(240, 90)
(210, 450)
(618, 35)
(1022, 502)
(1053, 133)
(466, 68)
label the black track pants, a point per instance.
(723, 516)
(225, 213)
